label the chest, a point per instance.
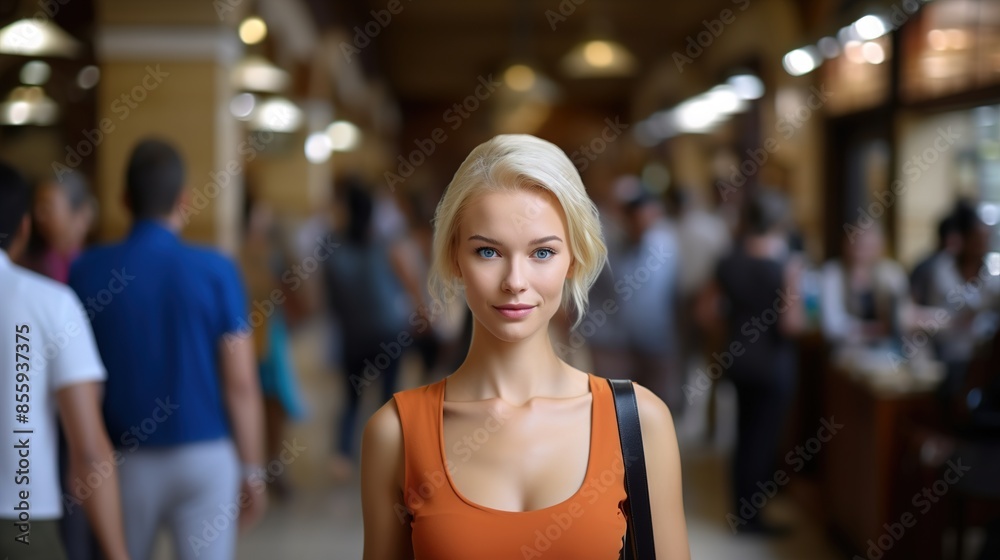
(518, 459)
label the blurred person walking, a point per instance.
(703, 238)
(438, 330)
(63, 211)
(183, 401)
(864, 295)
(970, 294)
(641, 283)
(756, 291)
(368, 302)
(949, 245)
(51, 368)
(263, 260)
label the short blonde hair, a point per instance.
(511, 162)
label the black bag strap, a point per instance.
(639, 536)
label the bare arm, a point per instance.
(386, 521)
(659, 442)
(241, 389)
(90, 452)
(793, 320)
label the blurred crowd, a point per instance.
(698, 289)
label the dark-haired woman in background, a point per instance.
(62, 213)
(758, 283)
(365, 293)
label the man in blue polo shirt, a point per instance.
(183, 401)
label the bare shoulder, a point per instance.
(653, 412)
(382, 445)
(383, 432)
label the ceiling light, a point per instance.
(88, 76)
(318, 147)
(253, 30)
(344, 136)
(870, 27)
(989, 213)
(801, 61)
(696, 115)
(519, 77)
(35, 73)
(873, 53)
(32, 37)
(278, 115)
(993, 263)
(242, 105)
(724, 100)
(28, 106)
(599, 58)
(256, 73)
(747, 86)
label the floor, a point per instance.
(324, 521)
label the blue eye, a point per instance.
(549, 251)
(481, 249)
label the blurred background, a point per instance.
(854, 144)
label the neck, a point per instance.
(512, 371)
(172, 221)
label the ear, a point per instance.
(184, 200)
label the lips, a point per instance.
(515, 306)
(515, 311)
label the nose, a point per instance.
(513, 282)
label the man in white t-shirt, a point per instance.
(50, 368)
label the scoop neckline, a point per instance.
(563, 503)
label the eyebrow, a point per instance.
(532, 242)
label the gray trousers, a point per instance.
(43, 541)
(192, 490)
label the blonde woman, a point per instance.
(516, 453)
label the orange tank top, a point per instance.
(446, 526)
